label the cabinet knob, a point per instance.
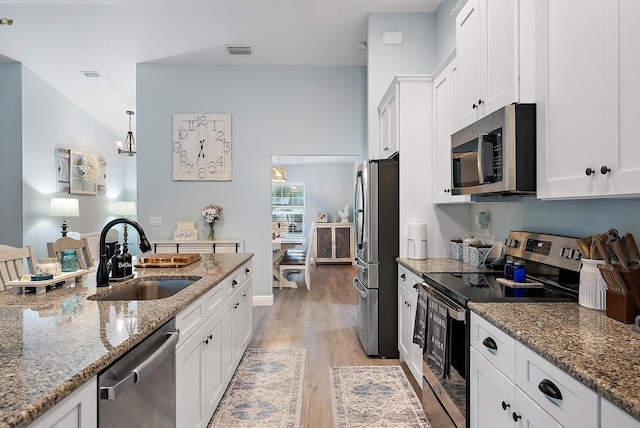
(604, 170)
(515, 417)
(234, 283)
(480, 102)
(549, 389)
(403, 276)
(415, 286)
(474, 106)
(589, 171)
(247, 270)
(505, 406)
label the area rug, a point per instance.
(265, 391)
(374, 396)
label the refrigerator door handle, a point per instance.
(356, 285)
(360, 266)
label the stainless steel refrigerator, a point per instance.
(376, 249)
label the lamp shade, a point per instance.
(64, 207)
(125, 208)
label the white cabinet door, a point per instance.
(614, 417)
(189, 382)
(471, 71)
(388, 112)
(587, 87)
(404, 322)
(492, 395)
(528, 414)
(487, 45)
(213, 382)
(247, 313)
(443, 124)
(78, 410)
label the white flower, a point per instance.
(211, 213)
(90, 167)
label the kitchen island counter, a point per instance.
(53, 343)
(600, 352)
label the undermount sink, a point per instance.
(147, 288)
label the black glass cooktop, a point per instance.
(485, 287)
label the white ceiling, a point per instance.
(58, 39)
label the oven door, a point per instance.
(445, 369)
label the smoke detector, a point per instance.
(239, 50)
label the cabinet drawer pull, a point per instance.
(490, 343)
(549, 389)
(604, 170)
(515, 417)
(247, 270)
(589, 171)
(415, 286)
(234, 283)
(505, 406)
(403, 276)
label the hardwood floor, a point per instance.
(322, 321)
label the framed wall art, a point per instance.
(202, 147)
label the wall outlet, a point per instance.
(155, 221)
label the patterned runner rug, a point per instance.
(374, 396)
(265, 391)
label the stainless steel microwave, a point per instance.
(497, 154)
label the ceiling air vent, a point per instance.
(239, 50)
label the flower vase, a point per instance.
(212, 231)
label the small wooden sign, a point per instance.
(185, 235)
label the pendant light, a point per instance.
(278, 174)
(128, 148)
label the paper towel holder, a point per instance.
(417, 241)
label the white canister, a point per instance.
(466, 248)
(592, 291)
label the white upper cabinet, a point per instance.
(487, 44)
(444, 112)
(587, 98)
(388, 111)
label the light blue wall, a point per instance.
(416, 55)
(446, 29)
(275, 111)
(11, 159)
(49, 119)
(328, 188)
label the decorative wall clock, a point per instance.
(202, 147)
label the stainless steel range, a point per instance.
(552, 266)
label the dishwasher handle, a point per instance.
(143, 369)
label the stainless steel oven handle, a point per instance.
(456, 312)
(143, 369)
(360, 291)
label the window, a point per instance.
(287, 208)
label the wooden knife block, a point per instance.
(622, 307)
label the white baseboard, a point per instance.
(263, 300)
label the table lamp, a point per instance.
(64, 207)
(125, 209)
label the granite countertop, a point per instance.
(439, 265)
(53, 343)
(600, 352)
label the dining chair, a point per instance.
(12, 263)
(299, 259)
(81, 247)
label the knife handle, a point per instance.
(632, 246)
(621, 255)
(602, 248)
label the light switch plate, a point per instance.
(155, 221)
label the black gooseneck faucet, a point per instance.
(102, 275)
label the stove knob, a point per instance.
(577, 255)
(515, 243)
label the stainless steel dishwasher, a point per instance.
(139, 389)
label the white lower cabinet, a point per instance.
(410, 353)
(207, 359)
(510, 385)
(78, 410)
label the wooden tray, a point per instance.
(167, 260)
(41, 286)
(513, 284)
